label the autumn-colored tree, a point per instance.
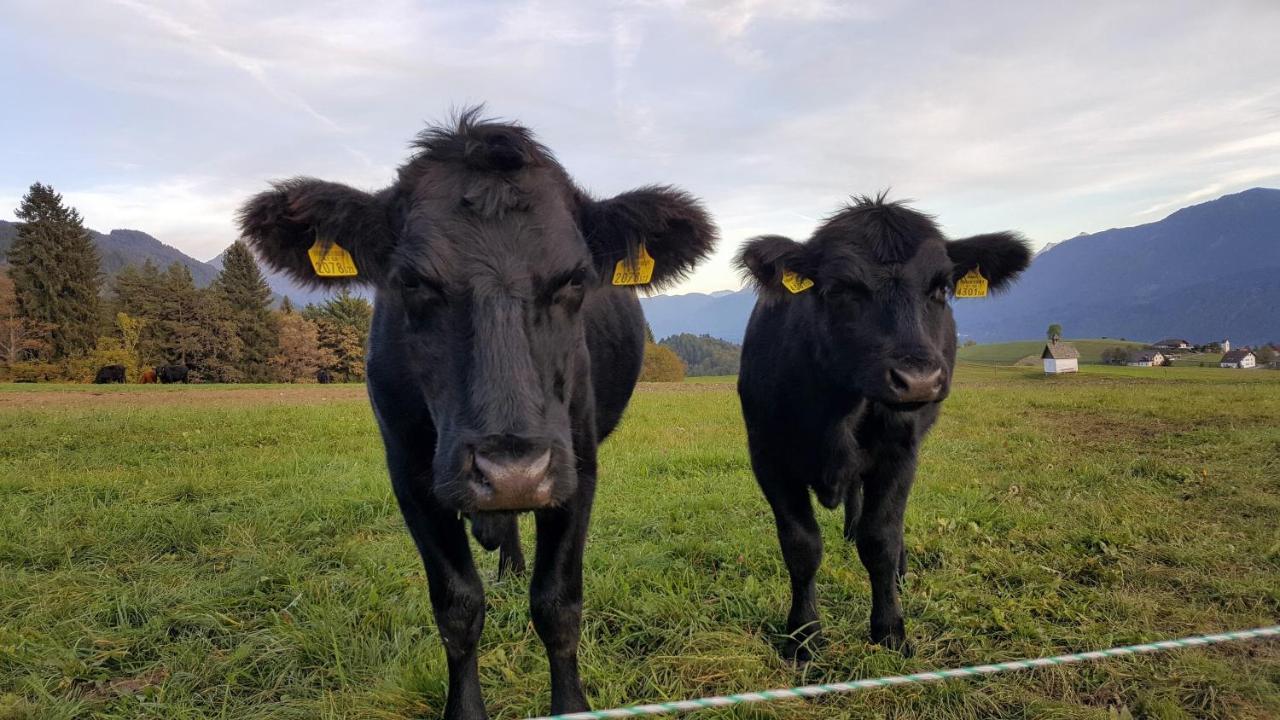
(21, 339)
(300, 355)
(661, 364)
(55, 271)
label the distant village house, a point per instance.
(1173, 344)
(1145, 358)
(1060, 357)
(1240, 359)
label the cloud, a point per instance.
(1047, 119)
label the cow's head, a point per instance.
(881, 275)
(486, 253)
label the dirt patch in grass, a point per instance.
(195, 395)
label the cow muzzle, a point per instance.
(915, 385)
(511, 479)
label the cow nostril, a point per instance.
(499, 469)
(911, 385)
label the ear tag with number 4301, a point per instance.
(331, 260)
(637, 272)
(794, 282)
(972, 285)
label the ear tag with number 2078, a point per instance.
(636, 272)
(331, 260)
(972, 285)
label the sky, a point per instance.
(165, 116)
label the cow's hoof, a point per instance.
(894, 637)
(512, 568)
(800, 647)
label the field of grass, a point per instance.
(228, 552)
(1011, 352)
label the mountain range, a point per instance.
(1206, 272)
(119, 248)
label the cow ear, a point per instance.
(671, 225)
(999, 257)
(282, 224)
(764, 260)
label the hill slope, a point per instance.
(1206, 272)
(1010, 353)
(119, 248)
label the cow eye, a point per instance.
(570, 287)
(419, 289)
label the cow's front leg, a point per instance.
(801, 543)
(555, 592)
(881, 546)
(457, 596)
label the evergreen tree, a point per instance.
(248, 298)
(55, 271)
(346, 309)
(286, 306)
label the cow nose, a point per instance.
(911, 385)
(512, 480)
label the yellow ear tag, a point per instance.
(972, 285)
(638, 273)
(330, 259)
(795, 283)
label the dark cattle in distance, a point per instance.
(324, 377)
(172, 374)
(841, 381)
(148, 377)
(109, 374)
(500, 354)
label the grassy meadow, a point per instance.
(235, 552)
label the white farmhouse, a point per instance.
(1145, 358)
(1059, 357)
(1240, 359)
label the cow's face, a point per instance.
(488, 255)
(882, 276)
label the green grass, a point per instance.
(196, 554)
(1011, 352)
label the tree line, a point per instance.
(61, 319)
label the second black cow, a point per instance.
(846, 360)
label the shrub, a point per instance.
(661, 364)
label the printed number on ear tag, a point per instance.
(795, 283)
(972, 285)
(639, 272)
(330, 259)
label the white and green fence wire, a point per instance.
(811, 691)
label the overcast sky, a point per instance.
(163, 116)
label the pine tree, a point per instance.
(55, 271)
(286, 306)
(248, 298)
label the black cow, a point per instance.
(172, 373)
(109, 374)
(324, 377)
(847, 358)
(500, 354)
